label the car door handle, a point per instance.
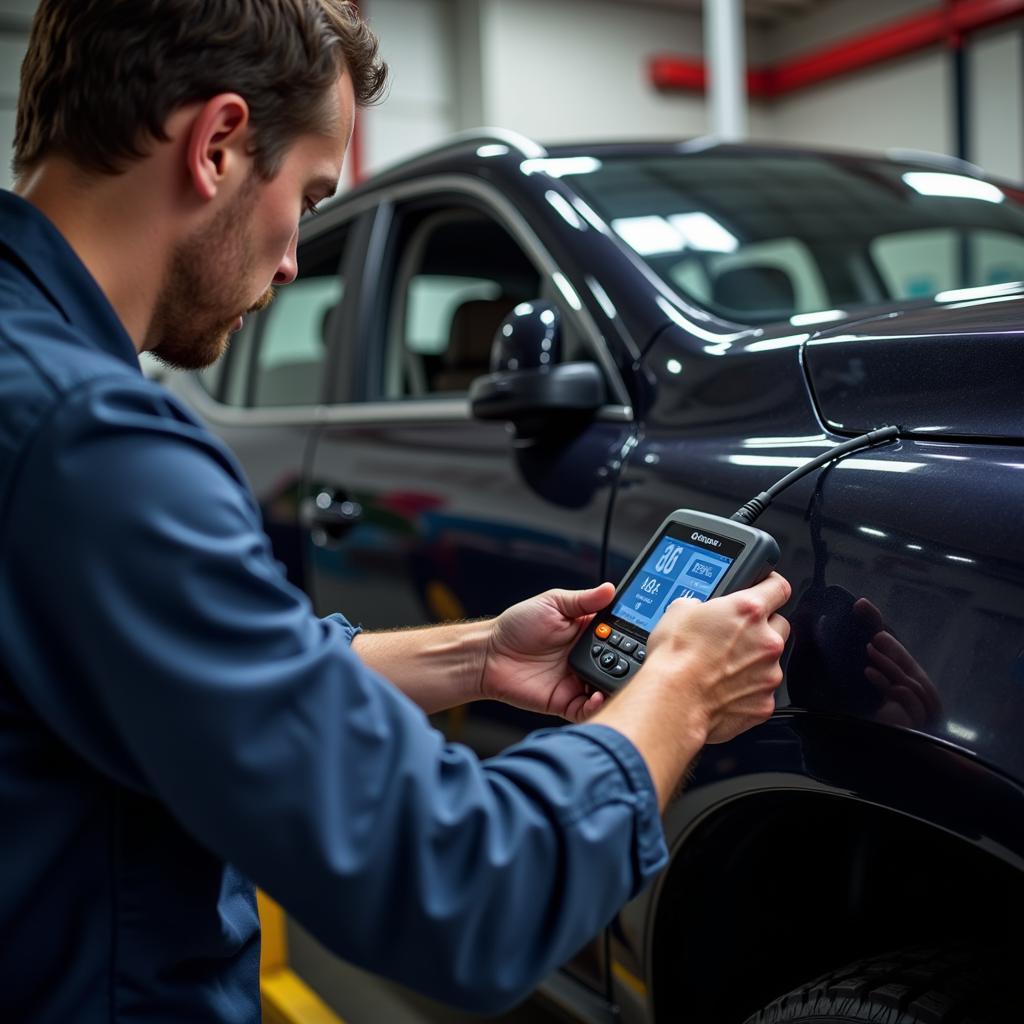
(326, 516)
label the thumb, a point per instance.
(574, 603)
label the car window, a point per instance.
(279, 356)
(760, 237)
(293, 343)
(919, 264)
(458, 273)
(764, 280)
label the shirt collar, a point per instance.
(42, 253)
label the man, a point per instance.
(174, 720)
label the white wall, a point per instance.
(833, 21)
(577, 69)
(903, 103)
(995, 62)
(418, 42)
(15, 17)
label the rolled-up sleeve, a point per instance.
(157, 636)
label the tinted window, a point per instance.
(293, 346)
(919, 264)
(760, 237)
(458, 274)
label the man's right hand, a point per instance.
(711, 672)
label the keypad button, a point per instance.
(602, 631)
(597, 650)
(640, 653)
(627, 645)
(608, 659)
(620, 668)
(615, 639)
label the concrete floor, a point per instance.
(362, 998)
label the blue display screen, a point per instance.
(674, 569)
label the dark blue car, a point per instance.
(679, 325)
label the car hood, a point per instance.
(952, 368)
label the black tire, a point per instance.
(913, 986)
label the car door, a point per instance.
(418, 512)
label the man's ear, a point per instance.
(217, 145)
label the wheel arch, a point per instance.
(807, 843)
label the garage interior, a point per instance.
(904, 77)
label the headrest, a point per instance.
(473, 328)
(757, 289)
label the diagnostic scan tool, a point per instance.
(692, 555)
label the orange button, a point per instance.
(603, 631)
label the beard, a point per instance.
(205, 291)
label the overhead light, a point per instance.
(702, 232)
(823, 316)
(494, 149)
(564, 209)
(557, 167)
(952, 186)
(983, 291)
(769, 344)
(649, 235)
(567, 290)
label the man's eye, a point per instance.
(312, 208)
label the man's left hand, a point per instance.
(526, 663)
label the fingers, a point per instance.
(584, 706)
(892, 648)
(774, 591)
(575, 603)
(780, 625)
(867, 613)
(890, 672)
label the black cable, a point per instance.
(753, 508)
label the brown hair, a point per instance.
(101, 77)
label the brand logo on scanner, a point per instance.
(705, 540)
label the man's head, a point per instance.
(242, 107)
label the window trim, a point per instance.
(381, 202)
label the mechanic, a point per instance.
(174, 719)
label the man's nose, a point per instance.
(288, 269)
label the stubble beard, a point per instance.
(204, 292)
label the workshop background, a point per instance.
(943, 76)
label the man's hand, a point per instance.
(726, 652)
(711, 672)
(526, 662)
(909, 697)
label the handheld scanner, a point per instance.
(693, 555)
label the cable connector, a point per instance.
(753, 508)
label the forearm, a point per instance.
(437, 667)
(667, 732)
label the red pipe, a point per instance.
(908, 35)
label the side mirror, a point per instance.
(527, 384)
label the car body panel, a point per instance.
(951, 369)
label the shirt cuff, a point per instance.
(651, 852)
(348, 631)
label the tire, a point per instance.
(912, 986)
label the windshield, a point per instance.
(757, 238)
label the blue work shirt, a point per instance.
(175, 721)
